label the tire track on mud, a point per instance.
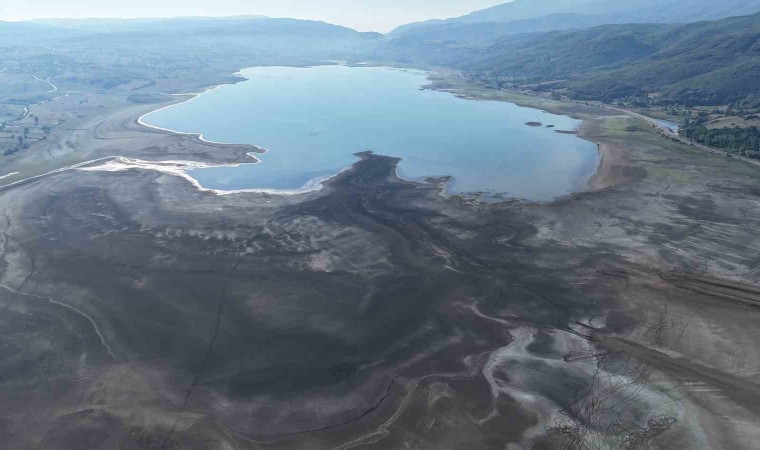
(209, 350)
(19, 291)
(76, 310)
(32, 258)
(214, 335)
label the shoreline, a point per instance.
(310, 186)
(317, 183)
(610, 156)
(181, 169)
(652, 255)
(612, 159)
(193, 96)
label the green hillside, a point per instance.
(703, 63)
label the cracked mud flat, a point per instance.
(140, 312)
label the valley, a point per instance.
(145, 307)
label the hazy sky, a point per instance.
(364, 15)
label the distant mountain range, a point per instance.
(577, 13)
(627, 10)
(251, 30)
(710, 63)
(95, 25)
(128, 54)
(636, 48)
(29, 33)
(585, 48)
(445, 40)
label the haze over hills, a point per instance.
(481, 28)
(29, 33)
(698, 62)
(47, 30)
(597, 12)
(112, 54)
(630, 10)
(235, 37)
(97, 25)
(607, 55)
(704, 62)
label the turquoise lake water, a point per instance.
(313, 120)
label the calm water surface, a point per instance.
(313, 120)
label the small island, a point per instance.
(533, 124)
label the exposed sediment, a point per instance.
(142, 312)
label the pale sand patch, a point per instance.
(611, 161)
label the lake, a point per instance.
(313, 120)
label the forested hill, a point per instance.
(700, 63)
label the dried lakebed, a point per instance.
(140, 312)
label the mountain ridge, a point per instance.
(604, 12)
